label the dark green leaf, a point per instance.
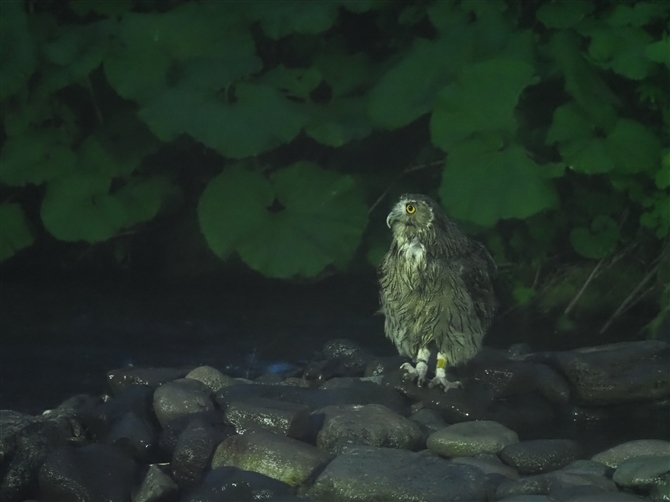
(18, 59)
(261, 119)
(483, 100)
(483, 186)
(563, 13)
(15, 231)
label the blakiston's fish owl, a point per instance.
(436, 290)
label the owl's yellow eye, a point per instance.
(410, 209)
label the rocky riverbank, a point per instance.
(348, 428)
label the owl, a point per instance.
(435, 289)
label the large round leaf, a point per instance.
(81, 206)
(484, 186)
(318, 218)
(232, 207)
(34, 157)
(259, 120)
(483, 99)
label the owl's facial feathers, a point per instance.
(412, 215)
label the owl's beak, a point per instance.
(393, 216)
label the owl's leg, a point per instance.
(417, 373)
(441, 375)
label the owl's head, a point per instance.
(413, 216)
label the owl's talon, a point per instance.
(418, 373)
(441, 381)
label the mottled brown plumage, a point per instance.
(435, 289)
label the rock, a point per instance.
(540, 455)
(367, 473)
(617, 373)
(211, 377)
(92, 472)
(372, 424)
(357, 392)
(157, 486)
(167, 441)
(282, 458)
(134, 435)
(488, 466)
(553, 483)
(429, 421)
(101, 419)
(193, 451)
(381, 365)
(503, 377)
(121, 378)
(287, 419)
(469, 438)
(235, 485)
(646, 474)
(527, 498)
(642, 447)
(349, 353)
(588, 467)
(26, 443)
(181, 397)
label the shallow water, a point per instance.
(59, 340)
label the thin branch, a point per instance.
(632, 298)
(96, 107)
(583, 288)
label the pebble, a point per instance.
(541, 455)
(372, 424)
(641, 447)
(466, 439)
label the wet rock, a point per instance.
(236, 485)
(122, 378)
(211, 377)
(503, 377)
(349, 353)
(287, 419)
(429, 421)
(181, 397)
(457, 405)
(102, 418)
(554, 483)
(167, 440)
(357, 392)
(540, 455)
(488, 466)
(92, 472)
(642, 447)
(157, 486)
(470, 438)
(193, 451)
(134, 435)
(372, 424)
(588, 467)
(285, 459)
(370, 473)
(617, 373)
(26, 442)
(646, 474)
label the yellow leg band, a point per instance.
(441, 362)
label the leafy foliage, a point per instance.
(320, 218)
(547, 126)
